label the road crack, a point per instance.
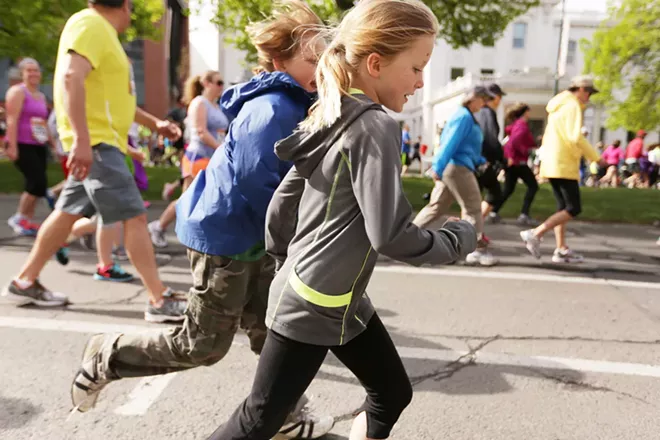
(585, 385)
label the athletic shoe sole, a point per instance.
(98, 277)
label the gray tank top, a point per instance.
(216, 124)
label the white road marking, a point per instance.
(549, 362)
(516, 276)
(144, 395)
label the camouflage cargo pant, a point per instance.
(226, 294)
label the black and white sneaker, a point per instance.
(303, 424)
(88, 382)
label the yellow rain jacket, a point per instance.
(563, 142)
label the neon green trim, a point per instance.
(343, 321)
(345, 158)
(317, 298)
(354, 91)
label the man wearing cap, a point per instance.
(492, 151)
(563, 147)
(455, 163)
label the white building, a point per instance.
(523, 62)
(208, 51)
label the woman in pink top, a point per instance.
(27, 140)
(613, 155)
(516, 150)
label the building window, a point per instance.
(487, 72)
(519, 35)
(572, 50)
(457, 72)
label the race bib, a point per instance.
(39, 130)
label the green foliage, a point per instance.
(624, 56)
(31, 28)
(462, 22)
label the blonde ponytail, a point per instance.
(192, 89)
(333, 78)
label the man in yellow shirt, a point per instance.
(94, 94)
(563, 147)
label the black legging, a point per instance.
(286, 368)
(512, 174)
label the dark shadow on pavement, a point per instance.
(125, 314)
(15, 413)
(466, 378)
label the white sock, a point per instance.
(23, 284)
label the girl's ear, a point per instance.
(374, 63)
(279, 65)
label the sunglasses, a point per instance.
(219, 83)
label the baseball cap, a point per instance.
(495, 89)
(482, 91)
(641, 133)
(585, 81)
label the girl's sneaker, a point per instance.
(566, 256)
(113, 273)
(62, 255)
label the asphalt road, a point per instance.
(526, 350)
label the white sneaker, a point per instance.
(157, 234)
(168, 191)
(481, 258)
(532, 242)
(566, 256)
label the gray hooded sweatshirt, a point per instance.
(341, 205)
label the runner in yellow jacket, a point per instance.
(563, 147)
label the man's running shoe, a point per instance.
(481, 257)
(35, 293)
(525, 220)
(113, 273)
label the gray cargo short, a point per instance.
(109, 189)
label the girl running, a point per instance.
(27, 140)
(454, 166)
(222, 223)
(345, 192)
(208, 127)
(516, 151)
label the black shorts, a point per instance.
(567, 194)
(31, 162)
(488, 181)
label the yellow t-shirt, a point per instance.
(110, 100)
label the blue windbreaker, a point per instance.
(224, 210)
(460, 143)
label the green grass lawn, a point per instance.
(619, 205)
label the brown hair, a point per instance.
(194, 87)
(515, 112)
(279, 36)
(385, 27)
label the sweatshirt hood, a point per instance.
(235, 97)
(562, 99)
(306, 150)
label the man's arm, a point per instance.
(165, 128)
(76, 69)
